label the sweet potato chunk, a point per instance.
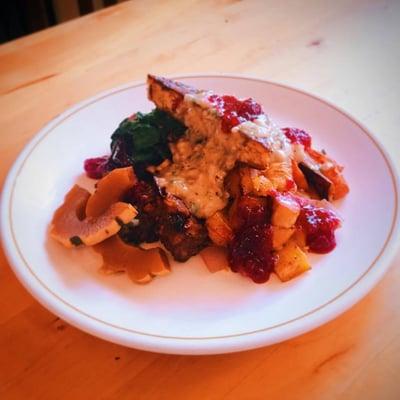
(317, 180)
(333, 172)
(299, 177)
(339, 188)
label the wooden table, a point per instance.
(345, 51)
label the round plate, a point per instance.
(192, 311)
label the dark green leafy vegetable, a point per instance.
(144, 139)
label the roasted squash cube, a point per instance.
(292, 261)
(280, 236)
(215, 258)
(285, 211)
(255, 182)
(219, 230)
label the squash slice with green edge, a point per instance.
(71, 227)
(110, 189)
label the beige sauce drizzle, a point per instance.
(200, 163)
(198, 170)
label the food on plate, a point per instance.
(205, 174)
(140, 265)
(110, 190)
(292, 261)
(71, 227)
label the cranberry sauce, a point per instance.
(250, 252)
(298, 136)
(317, 222)
(97, 167)
(319, 226)
(234, 111)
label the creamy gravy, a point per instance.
(200, 163)
(198, 170)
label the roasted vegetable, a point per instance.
(215, 258)
(140, 265)
(280, 236)
(316, 180)
(109, 190)
(232, 183)
(299, 177)
(70, 227)
(285, 211)
(255, 182)
(333, 171)
(292, 261)
(324, 175)
(280, 175)
(219, 230)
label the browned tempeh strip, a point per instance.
(169, 96)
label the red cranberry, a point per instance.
(229, 121)
(322, 242)
(319, 225)
(217, 101)
(229, 103)
(290, 184)
(234, 111)
(250, 252)
(96, 168)
(249, 109)
(298, 136)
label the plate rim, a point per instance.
(193, 345)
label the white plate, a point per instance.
(192, 311)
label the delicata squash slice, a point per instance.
(140, 265)
(71, 228)
(95, 219)
(109, 190)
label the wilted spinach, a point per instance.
(144, 139)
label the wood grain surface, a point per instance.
(345, 51)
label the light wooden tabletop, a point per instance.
(345, 51)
